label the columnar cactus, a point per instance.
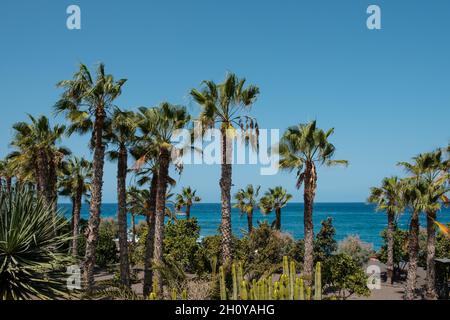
(174, 294)
(184, 295)
(223, 289)
(318, 283)
(235, 281)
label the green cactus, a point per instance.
(223, 289)
(152, 296)
(292, 275)
(308, 293)
(184, 295)
(244, 294)
(235, 283)
(174, 294)
(269, 288)
(285, 265)
(318, 283)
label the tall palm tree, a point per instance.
(430, 168)
(275, 199)
(246, 203)
(76, 183)
(302, 148)
(225, 104)
(36, 143)
(389, 198)
(161, 123)
(86, 102)
(186, 198)
(413, 194)
(121, 134)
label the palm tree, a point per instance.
(121, 134)
(430, 168)
(31, 255)
(246, 202)
(302, 148)
(389, 198)
(224, 104)
(75, 183)
(275, 199)
(86, 102)
(186, 198)
(36, 143)
(413, 194)
(161, 123)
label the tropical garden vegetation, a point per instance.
(165, 256)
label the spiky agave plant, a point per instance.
(31, 255)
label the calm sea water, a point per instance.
(348, 219)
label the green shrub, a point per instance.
(180, 242)
(265, 248)
(107, 252)
(400, 249)
(344, 277)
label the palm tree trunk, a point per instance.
(278, 219)
(159, 220)
(225, 195)
(431, 255)
(250, 221)
(122, 217)
(76, 220)
(52, 192)
(188, 212)
(150, 240)
(42, 176)
(8, 183)
(308, 197)
(96, 201)
(413, 248)
(390, 247)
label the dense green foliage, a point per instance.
(31, 247)
(344, 277)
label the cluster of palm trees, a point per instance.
(88, 104)
(423, 191)
(273, 200)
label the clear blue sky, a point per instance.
(386, 92)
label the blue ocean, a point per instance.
(348, 219)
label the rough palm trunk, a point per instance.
(159, 220)
(188, 212)
(431, 255)
(150, 240)
(250, 221)
(413, 248)
(42, 176)
(52, 192)
(390, 247)
(308, 196)
(76, 220)
(225, 195)
(8, 183)
(277, 219)
(96, 200)
(122, 217)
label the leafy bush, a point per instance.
(107, 252)
(442, 246)
(357, 249)
(265, 248)
(344, 277)
(324, 244)
(180, 242)
(32, 245)
(400, 248)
